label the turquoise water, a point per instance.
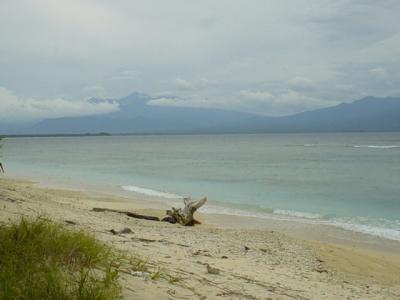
(350, 180)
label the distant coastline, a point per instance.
(180, 133)
(55, 135)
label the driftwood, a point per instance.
(129, 214)
(185, 216)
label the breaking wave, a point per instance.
(150, 192)
(377, 146)
(381, 228)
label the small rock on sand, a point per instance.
(126, 230)
(212, 270)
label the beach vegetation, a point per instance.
(40, 259)
(174, 278)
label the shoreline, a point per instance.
(308, 229)
(254, 262)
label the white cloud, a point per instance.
(301, 83)
(296, 99)
(182, 102)
(126, 75)
(257, 95)
(14, 109)
(201, 50)
(94, 91)
(163, 101)
(259, 102)
(280, 103)
(344, 87)
(183, 84)
(378, 72)
(287, 98)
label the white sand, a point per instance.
(282, 261)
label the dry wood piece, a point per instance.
(126, 230)
(129, 214)
(185, 216)
(182, 216)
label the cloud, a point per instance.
(94, 91)
(126, 75)
(182, 102)
(259, 102)
(202, 52)
(182, 84)
(288, 97)
(378, 72)
(344, 87)
(164, 101)
(14, 109)
(301, 83)
(283, 103)
(294, 98)
(257, 95)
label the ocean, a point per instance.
(350, 180)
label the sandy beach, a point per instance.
(226, 257)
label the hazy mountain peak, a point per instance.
(135, 98)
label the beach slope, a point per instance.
(210, 262)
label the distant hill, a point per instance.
(367, 114)
(135, 116)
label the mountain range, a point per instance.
(135, 116)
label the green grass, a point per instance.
(43, 260)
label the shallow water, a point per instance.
(349, 180)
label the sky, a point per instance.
(273, 57)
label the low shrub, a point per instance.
(40, 259)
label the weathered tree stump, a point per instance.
(185, 216)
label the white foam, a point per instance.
(387, 233)
(310, 218)
(280, 214)
(150, 192)
(351, 225)
(377, 147)
(297, 214)
(223, 210)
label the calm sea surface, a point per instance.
(349, 180)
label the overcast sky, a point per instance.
(271, 57)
